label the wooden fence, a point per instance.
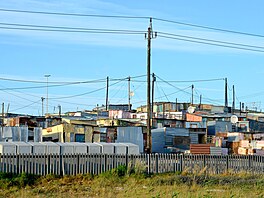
(151, 163)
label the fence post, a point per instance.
(204, 161)
(61, 165)
(157, 162)
(78, 164)
(126, 160)
(105, 162)
(48, 164)
(249, 162)
(181, 162)
(17, 163)
(227, 163)
(148, 163)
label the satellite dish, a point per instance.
(234, 119)
(191, 109)
(132, 93)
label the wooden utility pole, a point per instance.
(42, 105)
(129, 94)
(152, 97)
(233, 105)
(106, 98)
(176, 104)
(59, 106)
(150, 35)
(200, 102)
(3, 107)
(226, 100)
(192, 93)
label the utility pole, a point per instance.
(129, 94)
(150, 36)
(176, 104)
(200, 102)
(47, 98)
(3, 107)
(42, 100)
(152, 102)
(106, 98)
(226, 100)
(233, 106)
(192, 93)
(59, 106)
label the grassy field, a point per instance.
(119, 183)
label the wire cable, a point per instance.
(209, 28)
(213, 44)
(71, 28)
(52, 82)
(82, 94)
(130, 17)
(173, 85)
(26, 105)
(74, 14)
(69, 31)
(210, 40)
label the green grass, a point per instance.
(126, 182)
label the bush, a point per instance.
(24, 179)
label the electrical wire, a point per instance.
(173, 85)
(26, 105)
(112, 31)
(52, 82)
(70, 31)
(70, 28)
(203, 80)
(82, 94)
(213, 44)
(165, 94)
(74, 14)
(210, 40)
(131, 17)
(209, 28)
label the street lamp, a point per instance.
(47, 107)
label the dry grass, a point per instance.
(140, 185)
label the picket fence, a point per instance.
(151, 163)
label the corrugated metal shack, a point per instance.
(200, 148)
(214, 127)
(21, 133)
(158, 140)
(132, 135)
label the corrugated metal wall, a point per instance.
(131, 134)
(158, 140)
(194, 138)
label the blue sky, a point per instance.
(72, 57)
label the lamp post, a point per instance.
(47, 98)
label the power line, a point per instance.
(210, 40)
(82, 94)
(201, 80)
(26, 105)
(214, 44)
(52, 82)
(43, 86)
(74, 14)
(131, 17)
(173, 85)
(115, 31)
(164, 94)
(62, 28)
(70, 31)
(209, 28)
